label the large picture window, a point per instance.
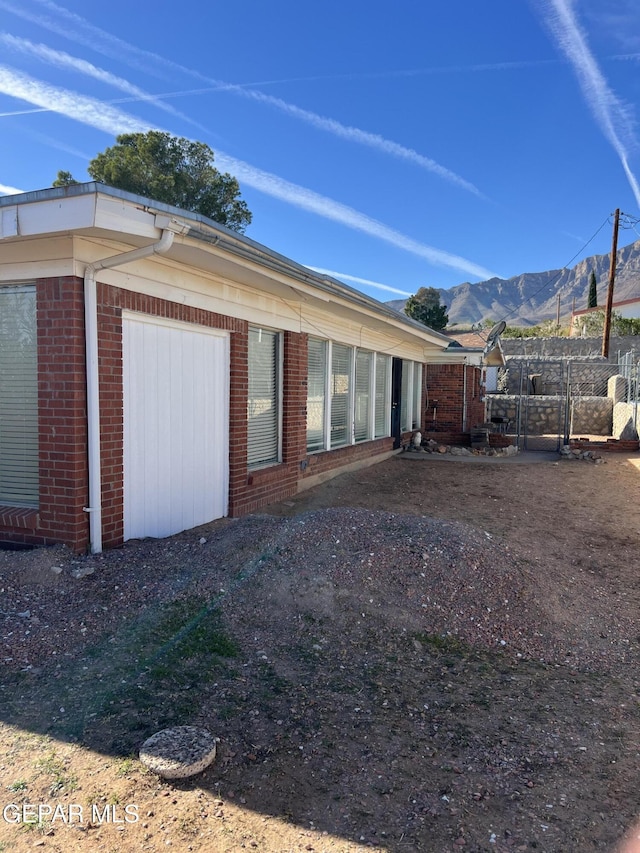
(411, 396)
(340, 395)
(382, 395)
(263, 402)
(416, 413)
(18, 396)
(348, 395)
(316, 394)
(364, 399)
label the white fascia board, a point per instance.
(122, 217)
(54, 216)
(463, 357)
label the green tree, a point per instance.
(64, 179)
(592, 299)
(424, 306)
(175, 171)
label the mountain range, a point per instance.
(530, 298)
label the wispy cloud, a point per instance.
(329, 209)
(344, 277)
(92, 112)
(362, 137)
(7, 190)
(613, 116)
(60, 59)
(87, 110)
(97, 39)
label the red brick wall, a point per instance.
(62, 428)
(62, 417)
(446, 386)
(475, 402)
(318, 463)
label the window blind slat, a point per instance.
(316, 394)
(19, 471)
(417, 395)
(340, 391)
(382, 417)
(363, 395)
(405, 399)
(262, 401)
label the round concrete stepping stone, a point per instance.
(178, 752)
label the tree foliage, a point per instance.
(64, 179)
(546, 329)
(424, 306)
(592, 299)
(173, 170)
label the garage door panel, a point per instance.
(176, 400)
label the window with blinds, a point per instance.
(382, 396)
(406, 397)
(263, 402)
(348, 389)
(18, 396)
(417, 395)
(316, 394)
(363, 400)
(340, 395)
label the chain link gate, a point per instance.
(543, 403)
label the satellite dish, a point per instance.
(496, 331)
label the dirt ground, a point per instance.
(424, 655)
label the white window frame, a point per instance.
(372, 408)
(387, 395)
(278, 394)
(416, 415)
(325, 387)
(411, 396)
(348, 426)
(19, 440)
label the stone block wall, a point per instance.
(591, 416)
(626, 418)
(545, 414)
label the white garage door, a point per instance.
(176, 428)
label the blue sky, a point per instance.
(394, 146)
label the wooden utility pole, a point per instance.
(606, 332)
(558, 310)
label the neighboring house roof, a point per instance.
(491, 354)
(95, 209)
(622, 303)
(467, 339)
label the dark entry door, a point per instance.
(396, 395)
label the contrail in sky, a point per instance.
(61, 59)
(96, 114)
(344, 277)
(612, 115)
(87, 110)
(103, 42)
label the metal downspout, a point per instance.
(93, 379)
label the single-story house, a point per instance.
(158, 371)
(627, 308)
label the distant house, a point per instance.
(158, 371)
(489, 356)
(628, 308)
